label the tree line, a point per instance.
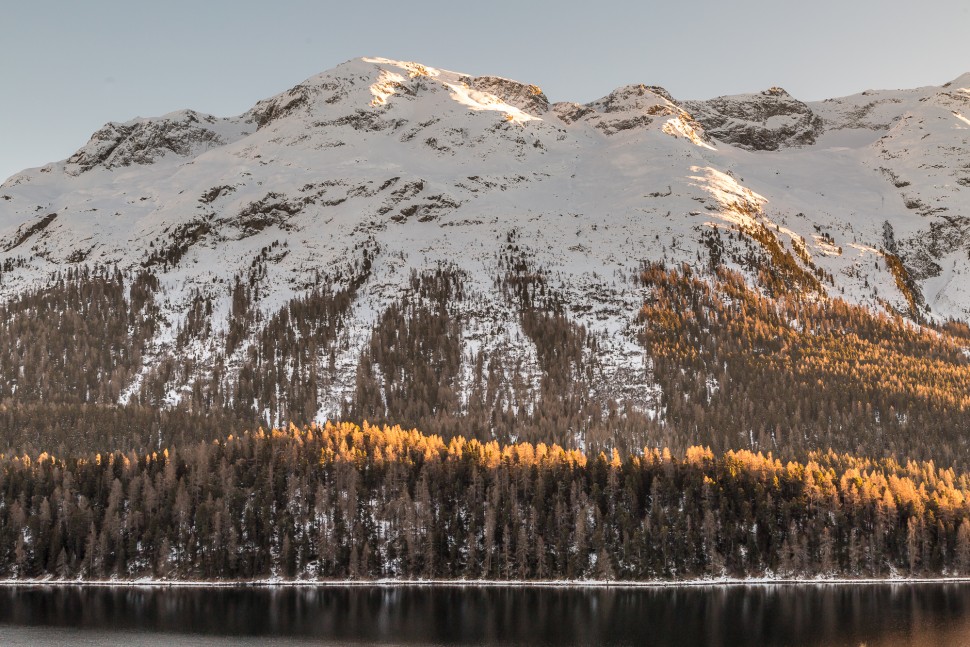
(793, 373)
(348, 501)
(776, 368)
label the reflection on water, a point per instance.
(850, 615)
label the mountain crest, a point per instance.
(526, 97)
(962, 82)
(767, 121)
(144, 141)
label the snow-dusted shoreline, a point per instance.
(566, 584)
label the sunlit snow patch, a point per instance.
(389, 82)
(865, 249)
(744, 208)
(386, 86)
(413, 69)
(826, 246)
(476, 100)
(678, 127)
(739, 204)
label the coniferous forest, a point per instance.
(793, 436)
(343, 501)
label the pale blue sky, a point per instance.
(67, 67)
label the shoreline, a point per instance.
(547, 584)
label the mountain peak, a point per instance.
(633, 97)
(775, 91)
(768, 120)
(962, 82)
(144, 141)
(364, 83)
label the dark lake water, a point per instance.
(830, 615)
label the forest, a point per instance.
(360, 502)
(793, 435)
(791, 374)
(763, 368)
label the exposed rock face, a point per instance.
(143, 141)
(269, 110)
(766, 121)
(526, 97)
(630, 107)
(569, 112)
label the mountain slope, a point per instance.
(384, 206)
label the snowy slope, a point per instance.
(430, 166)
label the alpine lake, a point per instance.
(830, 614)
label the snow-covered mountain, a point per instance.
(421, 168)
